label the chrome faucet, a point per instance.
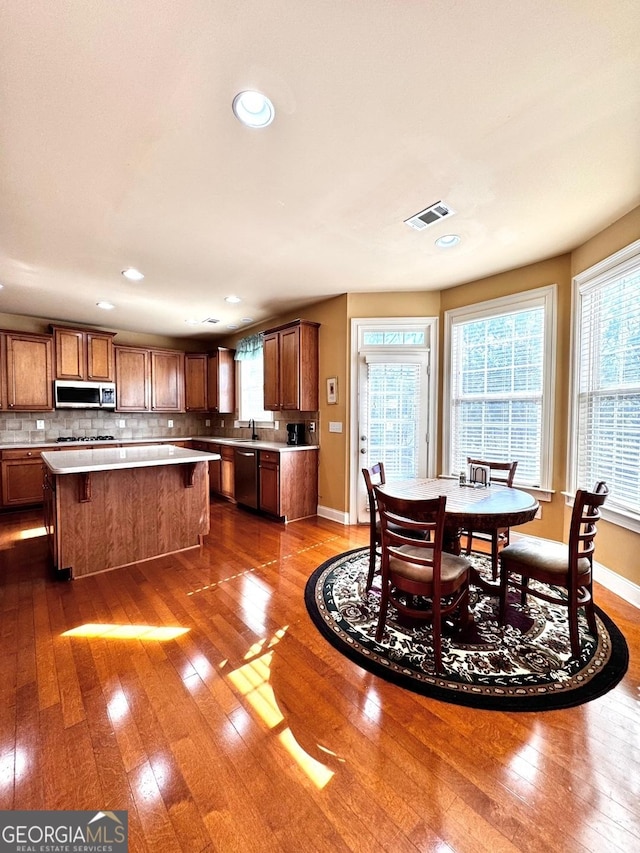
(252, 426)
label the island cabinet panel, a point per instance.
(222, 381)
(83, 354)
(28, 380)
(288, 483)
(167, 381)
(133, 379)
(195, 382)
(133, 514)
(22, 477)
(290, 355)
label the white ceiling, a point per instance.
(118, 147)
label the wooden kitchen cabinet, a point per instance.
(195, 381)
(227, 473)
(215, 474)
(83, 354)
(27, 377)
(167, 381)
(22, 477)
(269, 482)
(133, 379)
(291, 367)
(222, 381)
(149, 380)
(288, 483)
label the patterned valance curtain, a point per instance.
(249, 348)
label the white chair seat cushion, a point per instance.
(451, 567)
(552, 557)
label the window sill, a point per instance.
(622, 518)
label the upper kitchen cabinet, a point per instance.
(83, 354)
(195, 381)
(149, 380)
(222, 381)
(291, 367)
(133, 379)
(167, 381)
(27, 381)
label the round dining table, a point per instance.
(469, 507)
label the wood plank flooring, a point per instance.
(248, 732)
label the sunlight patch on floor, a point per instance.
(251, 680)
(125, 632)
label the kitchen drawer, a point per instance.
(270, 456)
(25, 453)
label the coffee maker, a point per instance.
(295, 434)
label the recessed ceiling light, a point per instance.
(247, 319)
(192, 322)
(133, 274)
(232, 299)
(106, 306)
(232, 326)
(447, 241)
(253, 109)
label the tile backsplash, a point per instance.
(21, 427)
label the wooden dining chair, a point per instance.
(499, 472)
(374, 476)
(567, 567)
(419, 568)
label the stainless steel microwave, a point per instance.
(71, 394)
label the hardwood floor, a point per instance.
(249, 732)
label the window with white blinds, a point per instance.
(606, 404)
(499, 396)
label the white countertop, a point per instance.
(111, 458)
(226, 440)
(260, 445)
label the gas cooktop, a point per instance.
(86, 438)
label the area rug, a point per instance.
(525, 666)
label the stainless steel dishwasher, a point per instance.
(246, 476)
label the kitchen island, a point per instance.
(111, 506)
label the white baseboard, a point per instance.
(616, 583)
(333, 514)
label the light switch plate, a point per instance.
(207, 422)
(335, 426)
(169, 423)
(39, 424)
(121, 423)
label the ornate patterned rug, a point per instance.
(526, 666)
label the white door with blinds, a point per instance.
(393, 417)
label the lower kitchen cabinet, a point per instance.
(215, 479)
(288, 483)
(22, 477)
(269, 479)
(227, 472)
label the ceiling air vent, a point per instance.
(430, 215)
(211, 320)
